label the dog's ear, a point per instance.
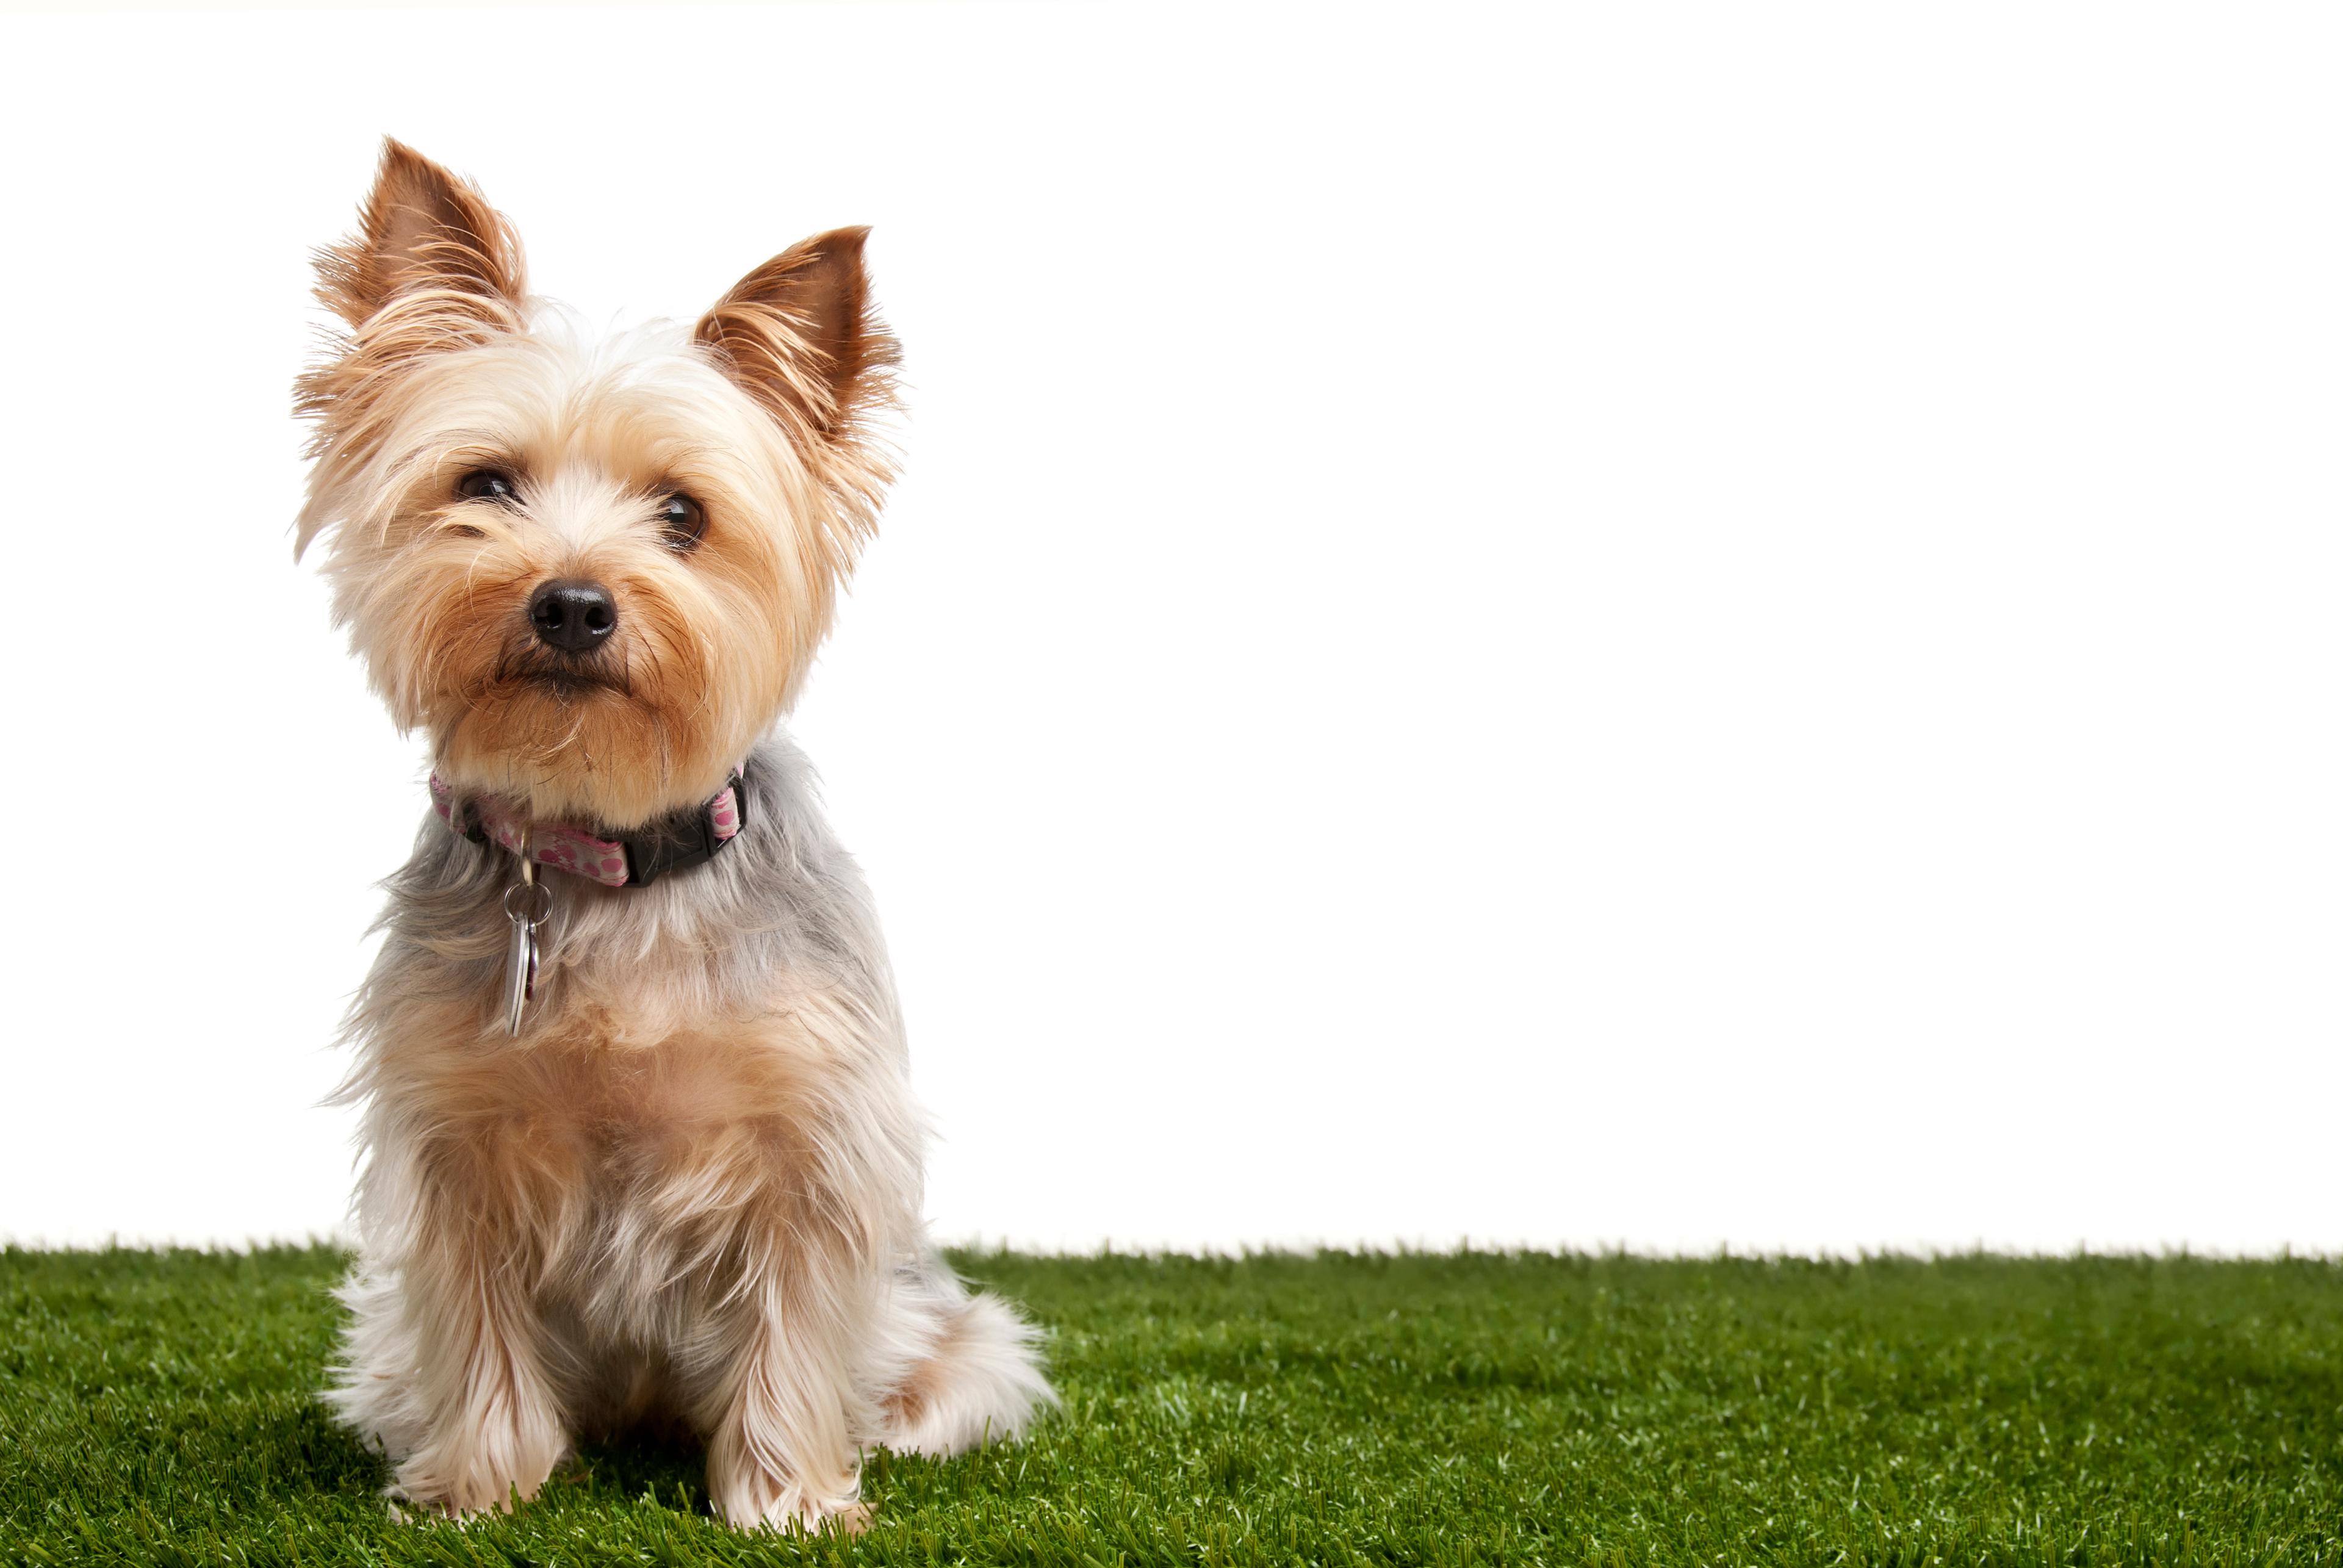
(799, 334)
(432, 267)
(426, 236)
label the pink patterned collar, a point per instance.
(622, 861)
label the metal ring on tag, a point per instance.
(536, 904)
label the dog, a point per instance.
(637, 1140)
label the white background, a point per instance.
(1679, 626)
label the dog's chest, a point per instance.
(620, 1112)
(643, 1163)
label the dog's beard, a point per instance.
(546, 708)
(613, 738)
(550, 714)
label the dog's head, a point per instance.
(593, 573)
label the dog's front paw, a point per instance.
(445, 1485)
(755, 1483)
(798, 1515)
(754, 1498)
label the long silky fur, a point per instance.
(645, 1288)
(688, 1191)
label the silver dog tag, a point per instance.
(526, 903)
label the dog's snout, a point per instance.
(572, 615)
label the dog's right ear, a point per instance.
(433, 267)
(431, 239)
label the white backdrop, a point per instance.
(1672, 627)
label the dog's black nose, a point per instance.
(571, 615)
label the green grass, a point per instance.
(156, 1408)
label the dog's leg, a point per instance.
(490, 1426)
(801, 1202)
(781, 1452)
(458, 1207)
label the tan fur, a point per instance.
(690, 1191)
(686, 1209)
(766, 418)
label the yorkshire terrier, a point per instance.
(640, 1142)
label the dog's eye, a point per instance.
(682, 522)
(485, 485)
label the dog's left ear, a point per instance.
(799, 334)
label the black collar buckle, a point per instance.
(685, 839)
